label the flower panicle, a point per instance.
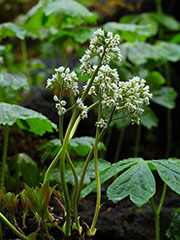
(65, 77)
(101, 44)
(129, 96)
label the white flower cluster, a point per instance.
(101, 124)
(108, 80)
(64, 76)
(129, 96)
(101, 45)
(60, 105)
(132, 95)
(83, 108)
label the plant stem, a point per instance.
(158, 6)
(51, 167)
(53, 57)
(62, 172)
(168, 114)
(89, 158)
(84, 95)
(61, 117)
(67, 138)
(83, 174)
(74, 203)
(119, 144)
(4, 156)
(98, 183)
(137, 142)
(1, 234)
(157, 228)
(12, 227)
(162, 198)
(25, 60)
(158, 211)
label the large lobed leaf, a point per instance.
(166, 20)
(168, 51)
(69, 8)
(13, 80)
(165, 97)
(140, 52)
(137, 182)
(12, 30)
(42, 20)
(148, 118)
(169, 171)
(115, 27)
(155, 19)
(110, 172)
(81, 145)
(25, 118)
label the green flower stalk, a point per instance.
(4, 156)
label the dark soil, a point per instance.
(127, 222)
(121, 221)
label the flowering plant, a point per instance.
(107, 92)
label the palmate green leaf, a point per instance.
(175, 38)
(34, 19)
(81, 34)
(81, 145)
(142, 19)
(165, 97)
(168, 51)
(148, 118)
(90, 173)
(68, 8)
(33, 10)
(128, 31)
(12, 30)
(78, 34)
(139, 52)
(110, 172)
(14, 80)
(137, 182)
(25, 118)
(169, 171)
(146, 19)
(166, 20)
(155, 79)
(154, 19)
(116, 27)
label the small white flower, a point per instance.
(101, 124)
(63, 103)
(56, 98)
(61, 111)
(49, 82)
(58, 105)
(60, 69)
